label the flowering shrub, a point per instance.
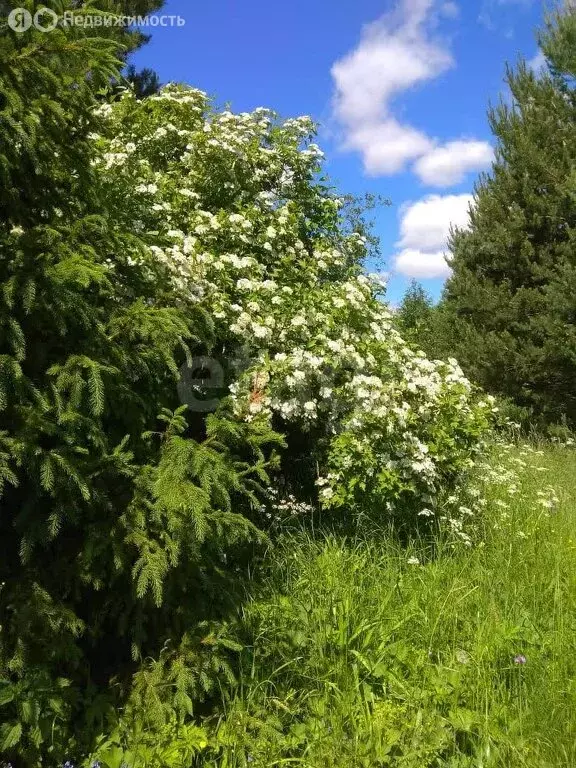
(231, 204)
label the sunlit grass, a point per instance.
(359, 656)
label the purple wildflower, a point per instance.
(520, 659)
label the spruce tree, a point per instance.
(509, 305)
(116, 514)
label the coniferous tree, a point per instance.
(145, 82)
(114, 519)
(415, 317)
(509, 306)
(132, 37)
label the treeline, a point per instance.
(508, 311)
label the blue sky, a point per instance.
(400, 89)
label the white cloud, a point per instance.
(396, 53)
(424, 230)
(447, 165)
(387, 145)
(420, 264)
(426, 223)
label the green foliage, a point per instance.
(130, 37)
(509, 306)
(415, 318)
(119, 510)
(144, 82)
(175, 745)
(47, 87)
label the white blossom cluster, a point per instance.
(505, 482)
(231, 205)
(285, 506)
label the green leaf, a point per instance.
(10, 736)
(6, 693)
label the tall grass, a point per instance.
(361, 652)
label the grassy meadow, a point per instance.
(361, 652)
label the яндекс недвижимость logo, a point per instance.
(20, 19)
